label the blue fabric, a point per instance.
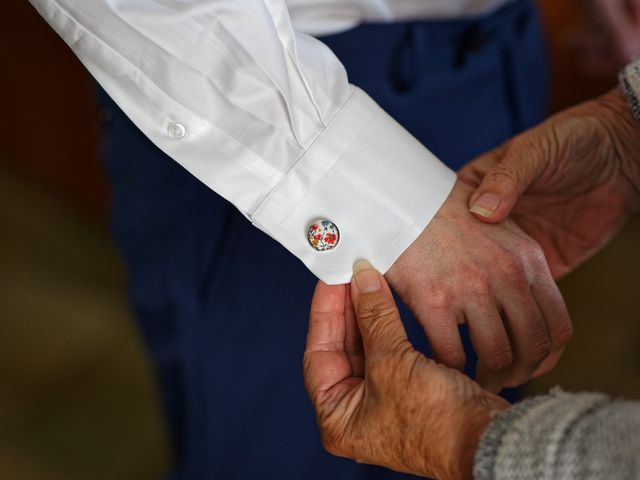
(224, 308)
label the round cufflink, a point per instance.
(323, 235)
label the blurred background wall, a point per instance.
(77, 399)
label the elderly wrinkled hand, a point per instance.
(570, 183)
(377, 399)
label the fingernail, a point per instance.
(366, 277)
(486, 205)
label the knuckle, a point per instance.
(538, 351)
(515, 275)
(547, 367)
(453, 357)
(440, 300)
(535, 254)
(478, 284)
(374, 308)
(563, 334)
(511, 264)
(534, 147)
(377, 314)
(499, 359)
(502, 174)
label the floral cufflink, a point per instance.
(323, 236)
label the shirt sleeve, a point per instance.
(264, 116)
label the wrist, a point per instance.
(475, 421)
(624, 132)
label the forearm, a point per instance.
(265, 117)
(561, 435)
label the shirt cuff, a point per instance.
(368, 176)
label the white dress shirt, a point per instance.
(321, 17)
(265, 116)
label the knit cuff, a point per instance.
(630, 86)
(523, 441)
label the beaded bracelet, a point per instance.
(630, 86)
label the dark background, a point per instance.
(77, 400)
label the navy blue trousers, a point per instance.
(224, 308)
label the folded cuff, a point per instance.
(367, 175)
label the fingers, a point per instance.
(491, 343)
(491, 380)
(522, 317)
(474, 172)
(536, 318)
(556, 316)
(377, 314)
(545, 294)
(326, 364)
(326, 324)
(503, 184)
(353, 340)
(529, 339)
(443, 335)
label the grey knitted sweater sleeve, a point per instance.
(562, 436)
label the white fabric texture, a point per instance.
(270, 120)
(321, 17)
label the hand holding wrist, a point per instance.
(378, 400)
(570, 183)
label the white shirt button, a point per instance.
(323, 235)
(176, 131)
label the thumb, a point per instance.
(502, 185)
(378, 316)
